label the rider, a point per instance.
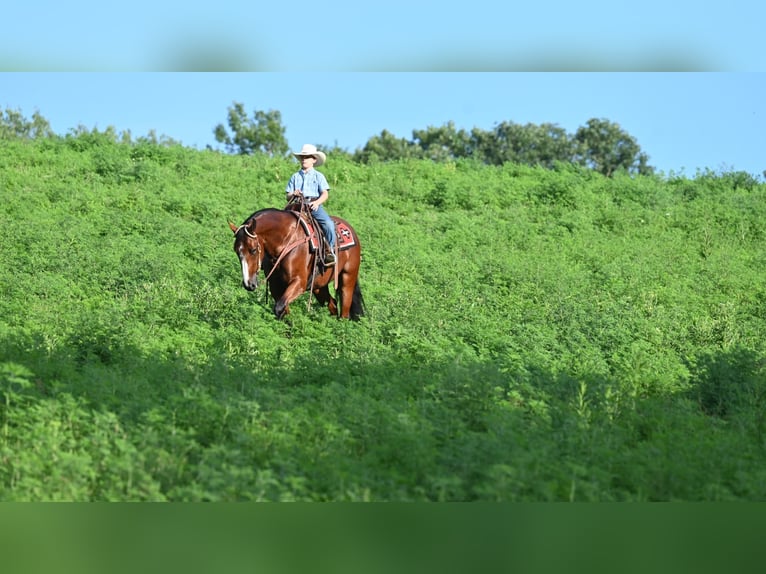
(312, 185)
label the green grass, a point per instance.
(530, 335)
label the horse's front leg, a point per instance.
(290, 294)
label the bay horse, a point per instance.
(279, 242)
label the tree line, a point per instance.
(600, 144)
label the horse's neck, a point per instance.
(276, 233)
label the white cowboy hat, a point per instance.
(311, 150)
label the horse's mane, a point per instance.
(261, 211)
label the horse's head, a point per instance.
(249, 249)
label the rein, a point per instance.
(282, 253)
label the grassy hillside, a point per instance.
(530, 334)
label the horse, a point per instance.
(286, 246)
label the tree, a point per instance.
(334, 151)
(551, 144)
(263, 133)
(386, 147)
(443, 143)
(601, 145)
(605, 147)
(530, 144)
(13, 125)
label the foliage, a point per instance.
(529, 144)
(445, 143)
(600, 145)
(532, 334)
(263, 133)
(13, 125)
(385, 147)
(605, 147)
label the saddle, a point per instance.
(300, 206)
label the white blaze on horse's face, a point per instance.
(246, 278)
(248, 249)
(249, 257)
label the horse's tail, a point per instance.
(357, 303)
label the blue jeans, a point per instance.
(328, 225)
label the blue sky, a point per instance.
(684, 121)
(399, 35)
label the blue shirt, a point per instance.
(311, 183)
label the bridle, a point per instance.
(257, 248)
(282, 254)
(247, 232)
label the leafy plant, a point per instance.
(533, 333)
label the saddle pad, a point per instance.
(345, 239)
(344, 235)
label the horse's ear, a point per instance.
(233, 227)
